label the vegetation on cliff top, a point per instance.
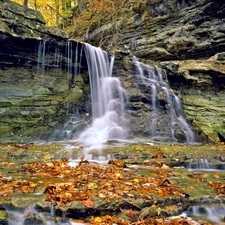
(80, 16)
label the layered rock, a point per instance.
(38, 91)
(201, 84)
(187, 39)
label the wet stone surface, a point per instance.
(128, 181)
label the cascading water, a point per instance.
(206, 165)
(162, 95)
(214, 212)
(108, 99)
(30, 215)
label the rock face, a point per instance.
(187, 40)
(37, 89)
(40, 89)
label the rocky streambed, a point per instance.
(122, 183)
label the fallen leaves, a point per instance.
(88, 202)
(104, 220)
(10, 186)
(90, 184)
(219, 187)
(180, 220)
(87, 181)
(111, 182)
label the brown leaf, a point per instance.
(88, 203)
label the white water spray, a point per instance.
(160, 90)
(108, 99)
(30, 215)
(214, 212)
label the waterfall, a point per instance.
(173, 118)
(108, 100)
(205, 165)
(213, 212)
(31, 215)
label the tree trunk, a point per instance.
(25, 3)
(57, 12)
(35, 4)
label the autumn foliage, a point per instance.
(78, 17)
(97, 13)
(55, 12)
(117, 184)
(87, 182)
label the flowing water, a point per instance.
(108, 101)
(206, 165)
(213, 213)
(162, 94)
(109, 98)
(32, 216)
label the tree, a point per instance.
(56, 12)
(25, 3)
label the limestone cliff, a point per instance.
(37, 95)
(187, 39)
(39, 91)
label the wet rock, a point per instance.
(25, 22)
(3, 217)
(187, 37)
(36, 95)
(221, 136)
(201, 85)
(33, 220)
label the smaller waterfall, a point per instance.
(205, 165)
(30, 215)
(27, 216)
(108, 100)
(163, 123)
(214, 212)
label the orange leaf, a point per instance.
(216, 176)
(88, 203)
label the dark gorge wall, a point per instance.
(38, 90)
(187, 40)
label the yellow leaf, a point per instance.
(216, 176)
(159, 211)
(101, 195)
(92, 186)
(164, 166)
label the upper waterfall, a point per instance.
(108, 100)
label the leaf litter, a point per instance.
(87, 182)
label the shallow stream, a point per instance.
(189, 174)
